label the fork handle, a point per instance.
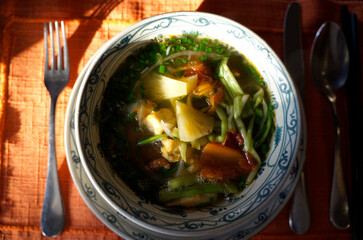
(53, 215)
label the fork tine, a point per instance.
(46, 63)
(59, 60)
(65, 47)
(52, 45)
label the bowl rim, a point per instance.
(100, 54)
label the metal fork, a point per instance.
(55, 79)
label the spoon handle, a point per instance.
(339, 208)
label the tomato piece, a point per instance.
(218, 95)
(222, 162)
(234, 140)
(217, 155)
(203, 70)
(222, 173)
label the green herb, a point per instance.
(258, 112)
(201, 47)
(151, 139)
(206, 41)
(162, 69)
(228, 80)
(199, 188)
(180, 181)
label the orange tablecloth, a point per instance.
(24, 103)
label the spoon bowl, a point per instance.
(329, 71)
(329, 58)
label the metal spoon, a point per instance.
(329, 67)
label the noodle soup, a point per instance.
(186, 121)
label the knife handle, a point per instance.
(299, 219)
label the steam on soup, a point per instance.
(186, 121)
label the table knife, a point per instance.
(299, 219)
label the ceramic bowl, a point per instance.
(215, 220)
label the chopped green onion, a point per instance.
(165, 195)
(162, 69)
(211, 137)
(223, 117)
(271, 107)
(200, 188)
(205, 41)
(251, 176)
(181, 181)
(228, 80)
(258, 112)
(151, 139)
(267, 130)
(201, 47)
(230, 187)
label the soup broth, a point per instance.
(186, 121)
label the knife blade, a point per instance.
(293, 52)
(299, 219)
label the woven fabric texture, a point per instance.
(24, 103)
